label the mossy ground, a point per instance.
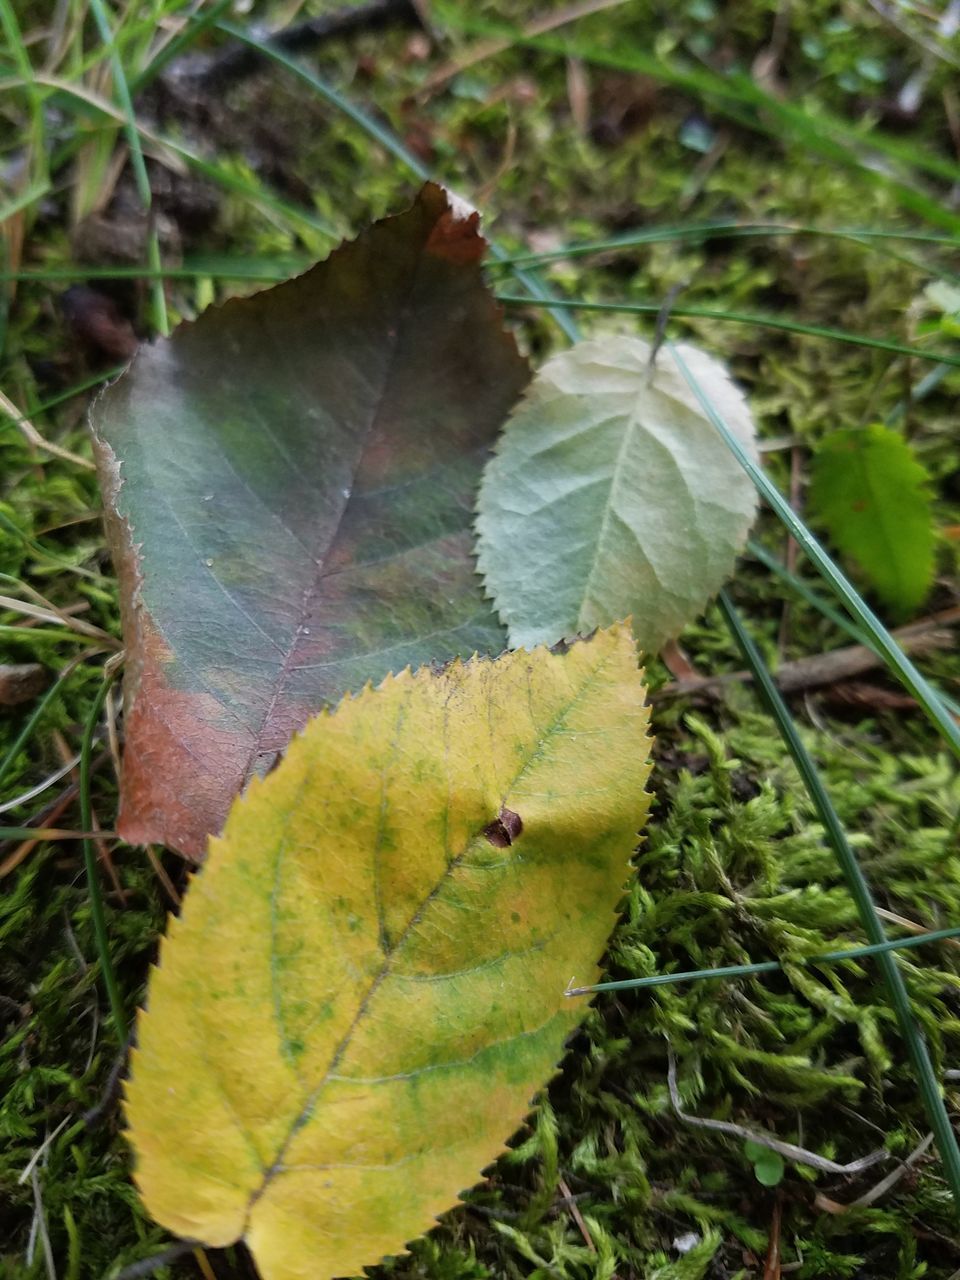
(734, 866)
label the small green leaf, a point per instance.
(769, 1169)
(871, 494)
(612, 493)
(753, 1150)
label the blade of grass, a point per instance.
(96, 380)
(36, 191)
(726, 230)
(137, 162)
(265, 269)
(738, 231)
(743, 317)
(43, 553)
(827, 610)
(16, 46)
(39, 633)
(860, 891)
(48, 833)
(23, 737)
(193, 28)
(879, 637)
(97, 913)
(807, 592)
(767, 966)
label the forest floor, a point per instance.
(611, 123)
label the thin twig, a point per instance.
(789, 1151)
(29, 1167)
(41, 1219)
(834, 666)
(886, 1184)
(30, 432)
(571, 1204)
(58, 618)
(39, 789)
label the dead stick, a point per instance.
(837, 665)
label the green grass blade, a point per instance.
(90, 862)
(39, 550)
(193, 29)
(267, 270)
(23, 737)
(21, 201)
(698, 232)
(860, 891)
(807, 593)
(824, 607)
(879, 637)
(122, 90)
(15, 44)
(767, 966)
(743, 317)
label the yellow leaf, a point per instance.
(366, 987)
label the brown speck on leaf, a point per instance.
(504, 830)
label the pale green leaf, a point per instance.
(611, 493)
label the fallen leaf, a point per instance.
(365, 990)
(611, 492)
(873, 496)
(289, 484)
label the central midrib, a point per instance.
(306, 1111)
(604, 521)
(310, 593)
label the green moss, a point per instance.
(735, 867)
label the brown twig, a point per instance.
(33, 436)
(881, 1188)
(571, 1204)
(771, 1270)
(789, 1150)
(830, 668)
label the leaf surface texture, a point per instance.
(289, 485)
(612, 493)
(366, 986)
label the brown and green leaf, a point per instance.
(366, 986)
(289, 483)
